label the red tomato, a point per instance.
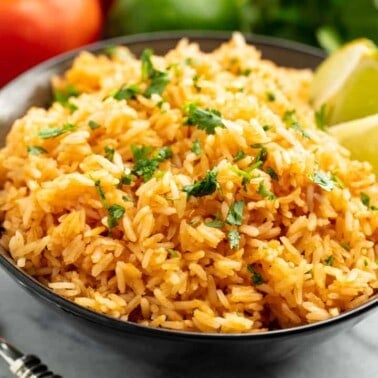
(34, 30)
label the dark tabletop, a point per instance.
(24, 322)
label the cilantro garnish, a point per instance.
(272, 173)
(145, 164)
(63, 95)
(195, 83)
(173, 253)
(266, 127)
(126, 179)
(262, 155)
(216, 223)
(115, 212)
(52, 132)
(320, 118)
(206, 186)
(365, 199)
(291, 120)
(246, 174)
(323, 180)
(109, 153)
(270, 96)
(329, 260)
(126, 93)
(256, 277)
(265, 192)
(346, 246)
(93, 125)
(35, 150)
(239, 156)
(233, 237)
(235, 213)
(158, 79)
(204, 119)
(196, 147)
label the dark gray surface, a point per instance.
(24, 322)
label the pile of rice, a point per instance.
(285, 233)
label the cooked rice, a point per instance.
(305, 254)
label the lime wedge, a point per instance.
(347, 81)
(360, 137)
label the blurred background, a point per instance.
(34, 30)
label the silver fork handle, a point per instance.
(23, 366)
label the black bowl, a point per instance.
(160, 346)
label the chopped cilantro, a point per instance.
(93, 125)
(195, 83)
(127, 199)
(126, 93)
(235, 213)
(346, 246)
(365, 199)
(145, 166)
(239, 156)
(272, 173)
(158, 79)
(196, 147)
(270, 96)
(206, 186)
(245, 72)
(329, 260)
(233, 237)
(366, 263)
(52, 132)
(337, 181)
(291, 120)
(256, 277)
(35, 150)
(109, 153)
(323, 180)
(115, 213)
(204, 119)
(266, 127)
(262, 155)
(173, 253)
(246, 174)
(126, 179)
(265, 192)
(63, 95)
(216, 223)
(320, 118)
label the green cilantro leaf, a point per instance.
(145, 166)
(265, 192)
(216, 223)
(196, 147)
(101, 194)
(266, 127)
(52, 132)
(323, 180)
(63, 95)
(206, 186)
(256, 277)
(233, 237)
(93, 125)
(204, 119)
(35, 150)
(365, 199)
(272, 173)
(239, 156)
(126, 93)
(329, 260)
(115, 213)
(173, 253)
(158, 79)
(346, 246)
(270, 96)
(291, 120)
(109, 153)
(235, 213)
(320, 118)
(262, 155)
(126, 179)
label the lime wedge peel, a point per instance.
(360, 137)
(346, 82)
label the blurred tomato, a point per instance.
(34, 30)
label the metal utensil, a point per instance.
(22, 365)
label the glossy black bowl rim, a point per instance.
(127, 327)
